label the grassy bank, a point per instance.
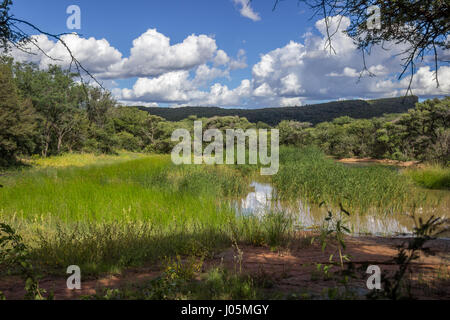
(115, 215)
(308, 174)
(430, 177)
(105, 214)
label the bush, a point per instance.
(127, 141)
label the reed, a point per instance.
(308, 174)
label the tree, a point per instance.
(423, 26)
(55, 96)
(152, 129)
(12, 34)
(17, 119)
(294, 133)
(426, 130)
(98, 105)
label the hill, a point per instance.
(358, 109)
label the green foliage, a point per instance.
(426, 132)
(17, 119)
(313, 113)
(6, 34)
(110, 216)
(58, 115)
(14, 254)
(127, 141)
(335, 227)
(216, 284)
(395, 286)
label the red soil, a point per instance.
(290, 270)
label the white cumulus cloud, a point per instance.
(246, 10)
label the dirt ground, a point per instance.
(291, 270)
(382, 161)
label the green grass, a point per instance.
(308, 174)
(81, 159)
(182, 279)
(127, 213)
(216, 284)
(108, 213)
(151, 188)
(430, 177)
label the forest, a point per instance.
(358, 109)
(47, 113)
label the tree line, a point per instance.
(314, 114)
(48, 112)
(423, 133)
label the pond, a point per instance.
(263, 199)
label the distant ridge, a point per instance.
(359, 109)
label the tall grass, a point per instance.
(307, 173)
(430, 177)
(107, 217)
(81, 159)
(135, 209)
(150, 188)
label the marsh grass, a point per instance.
(308, 174)
(107, 217)
(81, 159)
(276, 228)
(430, 177)
(151, 188)
(113, 213)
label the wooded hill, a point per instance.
(358, 109)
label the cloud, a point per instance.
(295, 74)
(309, 71)
(169, 87)
(240, 62)
(246, 10)
(289, 102)
(177, 88)
(105, 55)
(188, 73)
(204, 74)
(151, 55)
(221, 58)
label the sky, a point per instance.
(226, 53)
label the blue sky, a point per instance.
(228, 53)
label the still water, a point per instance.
(262, 199)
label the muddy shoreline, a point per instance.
(291, 269)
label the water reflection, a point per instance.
(263, 199)
(257, 202)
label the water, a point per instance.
(262, 199)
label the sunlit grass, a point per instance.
(308, 174)
(80, 160)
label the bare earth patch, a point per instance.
(381, 161)
(290, 271)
